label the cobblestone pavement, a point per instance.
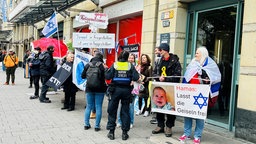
(25, 121)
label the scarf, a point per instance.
(211, 69)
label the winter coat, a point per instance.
(47, 66)
(173, 68)
(11, 60)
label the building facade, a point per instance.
(227, 28)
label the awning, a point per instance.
(44, 9)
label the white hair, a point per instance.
(204, 54)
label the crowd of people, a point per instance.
(124, 74)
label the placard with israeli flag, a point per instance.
(80, 60)
(51, 26)
(188, 100)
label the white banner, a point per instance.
(93, 40)
(98, 20)
(80, 60)
(188, 100)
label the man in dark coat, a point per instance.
(168, 65)
(47, 69)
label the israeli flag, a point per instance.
(125, 41)
(109, 50)
(80, 60)
(51, 26)
(117, 46)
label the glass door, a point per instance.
(217, 30)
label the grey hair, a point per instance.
(204, 53)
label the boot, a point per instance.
(111, 135)
(125, 136)
(168, 132)
(158, 130)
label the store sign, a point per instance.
(134, 49)
(188, 100)
(93, 40)
(166, 23)
(167, 15)
(98, 20)
(165, 38)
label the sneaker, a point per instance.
(118, 125)
(183, 138)
(87, 127)
(146, 113)
(93, 115)
(196, 141)
(153, 121)
(131, 126)
(138, 113)
(158, 130)
(13, 83)
(97, 129)
(168, 132)
(6, 83)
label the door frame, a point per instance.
(194, 10)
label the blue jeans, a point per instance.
(131, 111)
(93, 100)
(3, 66)
(188, 127)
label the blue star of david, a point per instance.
(50, 25)
(200, 96)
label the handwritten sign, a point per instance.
(188, 100)
(94, 40)
(98, 20)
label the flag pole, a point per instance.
(58, 35)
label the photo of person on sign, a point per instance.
(161, 100)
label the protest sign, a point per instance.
(60, 76)
(93, 40)
(188, 100)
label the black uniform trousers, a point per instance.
(123, 94)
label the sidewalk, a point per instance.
(25, 121)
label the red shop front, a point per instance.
(129, 33)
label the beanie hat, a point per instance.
(164, 46)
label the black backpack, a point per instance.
(93, 76)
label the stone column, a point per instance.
(149, 27)
(246, 109)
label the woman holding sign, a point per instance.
(201, 70)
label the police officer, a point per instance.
(121, 73)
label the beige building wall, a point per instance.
(149, 27)
(247, 79)
(68, 29)
(177, 28)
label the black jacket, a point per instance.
(103, 88)
(35, 68)
(173, 68)
(47, 66)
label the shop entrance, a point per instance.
(217, 30)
